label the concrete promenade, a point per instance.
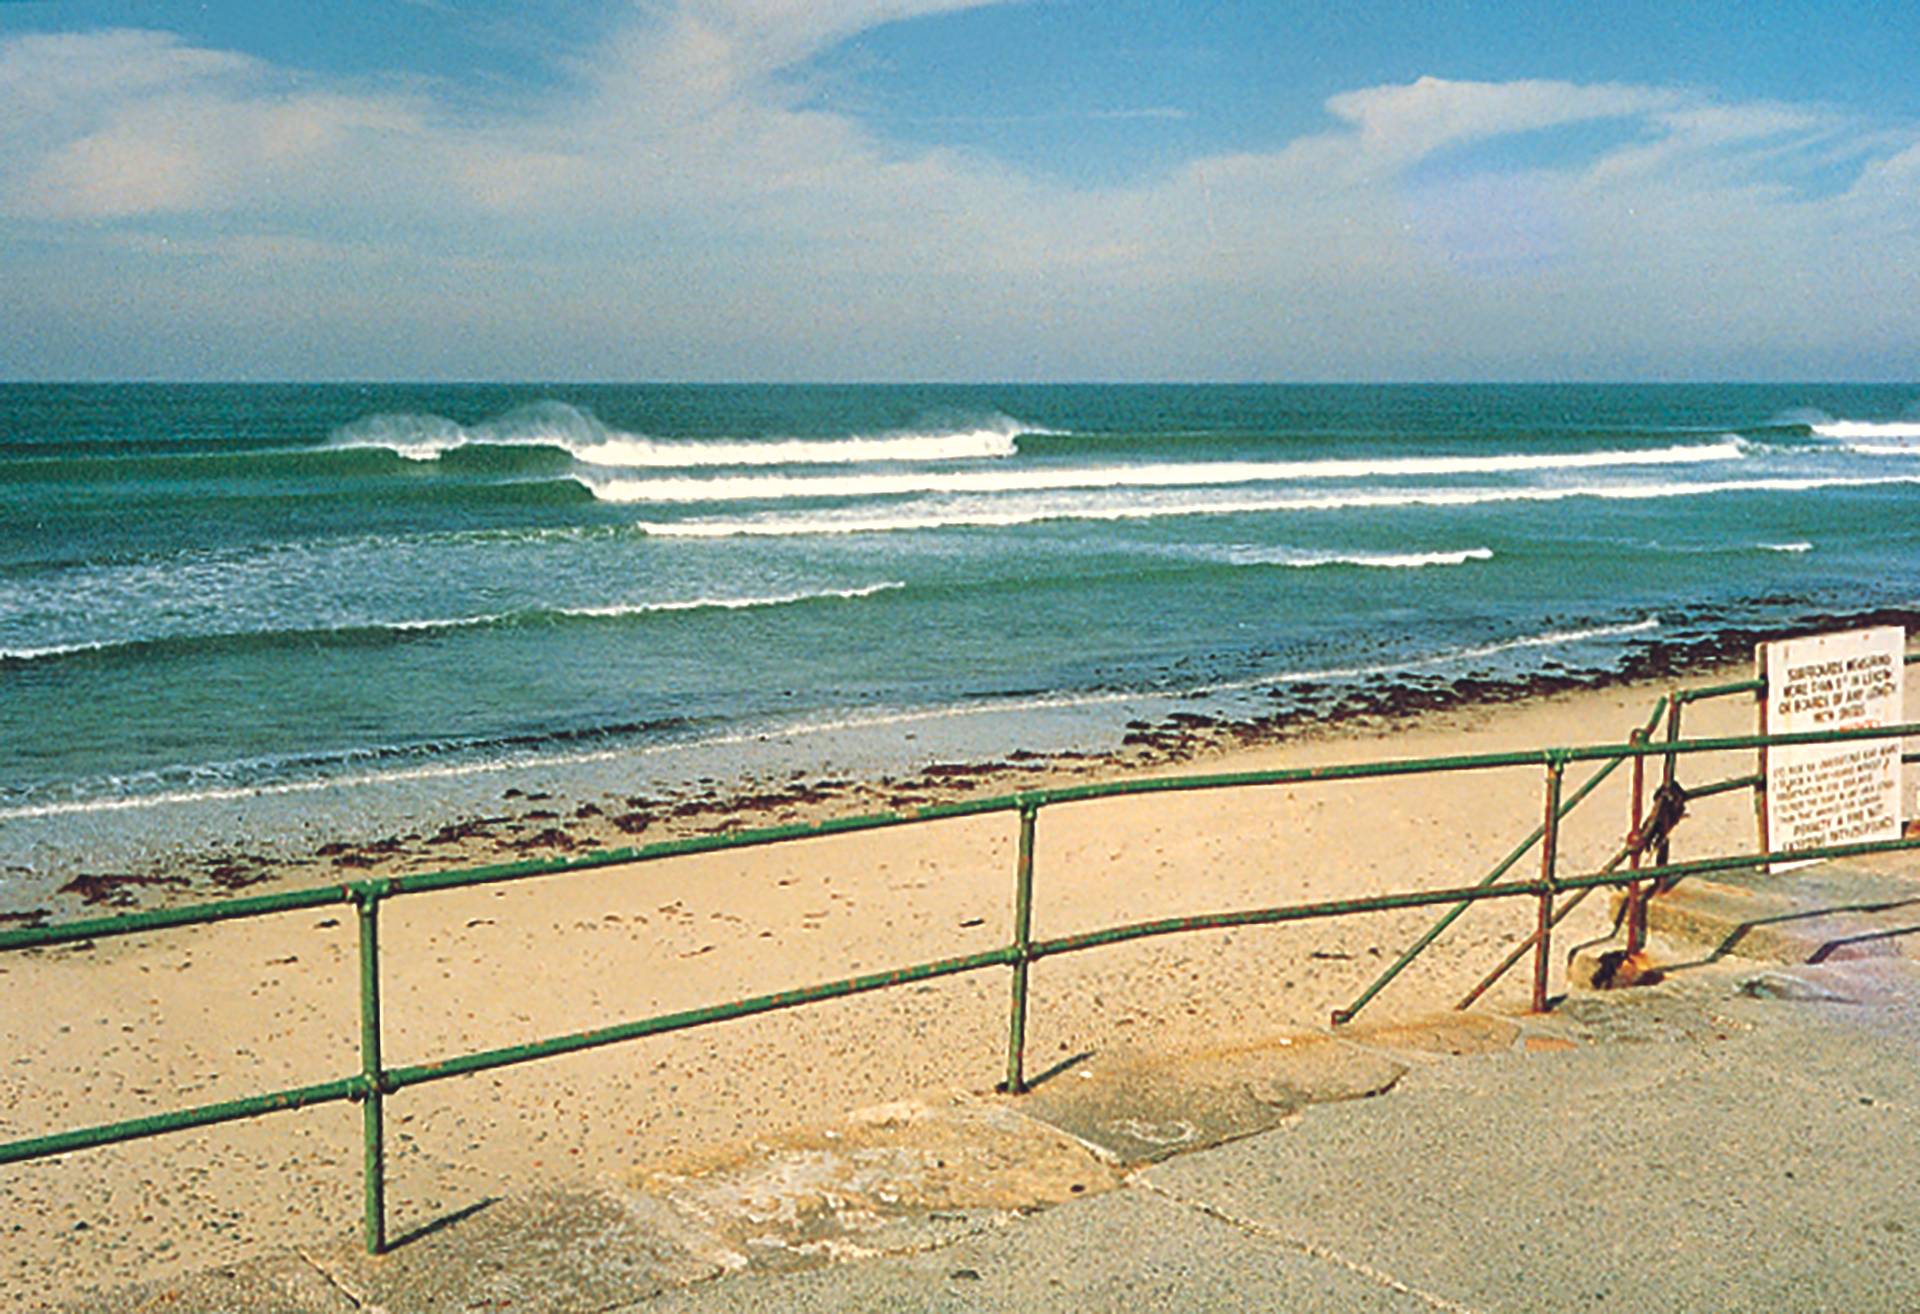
(1744, 1134)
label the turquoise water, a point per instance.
(281, 610)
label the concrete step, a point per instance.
(1856, 908)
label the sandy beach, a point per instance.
(125, 1027)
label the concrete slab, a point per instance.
(1678, 1177)
(898, 1177)
(276, 1284)
(556, 1251)
(1139, 1109)
(1835, 910)
(1128, 1250)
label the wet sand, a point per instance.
(125, 1027)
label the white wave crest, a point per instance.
(991, 516)
(24, 655)
(1197, 474)
(1796, 547)
(986, 443)
(479, 620)
(586, 439)
(731, 604)
(1852, 430)
(1298, 559)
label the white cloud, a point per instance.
(1400, 124)
(679, 208)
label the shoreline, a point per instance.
(533, 823)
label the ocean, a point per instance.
(268, 615)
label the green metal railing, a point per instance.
(374, 1081)
(1669, 707)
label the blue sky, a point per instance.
(951, 189)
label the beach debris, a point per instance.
(550, 838)
(464, 830)
(632, 823)
(116, 888)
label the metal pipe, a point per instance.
(1022, 943)
(485, 1060)
(1701, 694)
(1636, 817)
(1668, 771)
(1549, 856)
(1726, 786)
(1761, 721)
(1342, 1016)
(157, 1124)
(1521, 950)
(372, 1130)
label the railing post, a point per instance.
(371, 1127)
(1669, 771)
(1760, 697)
(1636, 817)
(1022, 946)
(1549, 857)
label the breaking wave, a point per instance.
(1853, 431)
(1305, 560)
(1195, 474)
(994, 516)
(387, 631)
(586, 439)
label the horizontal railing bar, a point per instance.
(461, 877)
(160, 919)
(424, 882)
(399, 1078)
(205, 1115)
(1460, 893)
(1705, 692)
(1725, 786)
(1677, 871)
(1299, 912)
(1757, 684)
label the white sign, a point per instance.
(1819, 794)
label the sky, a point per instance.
(959, 190)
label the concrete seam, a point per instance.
(1311, 1249)
(327, 1277)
